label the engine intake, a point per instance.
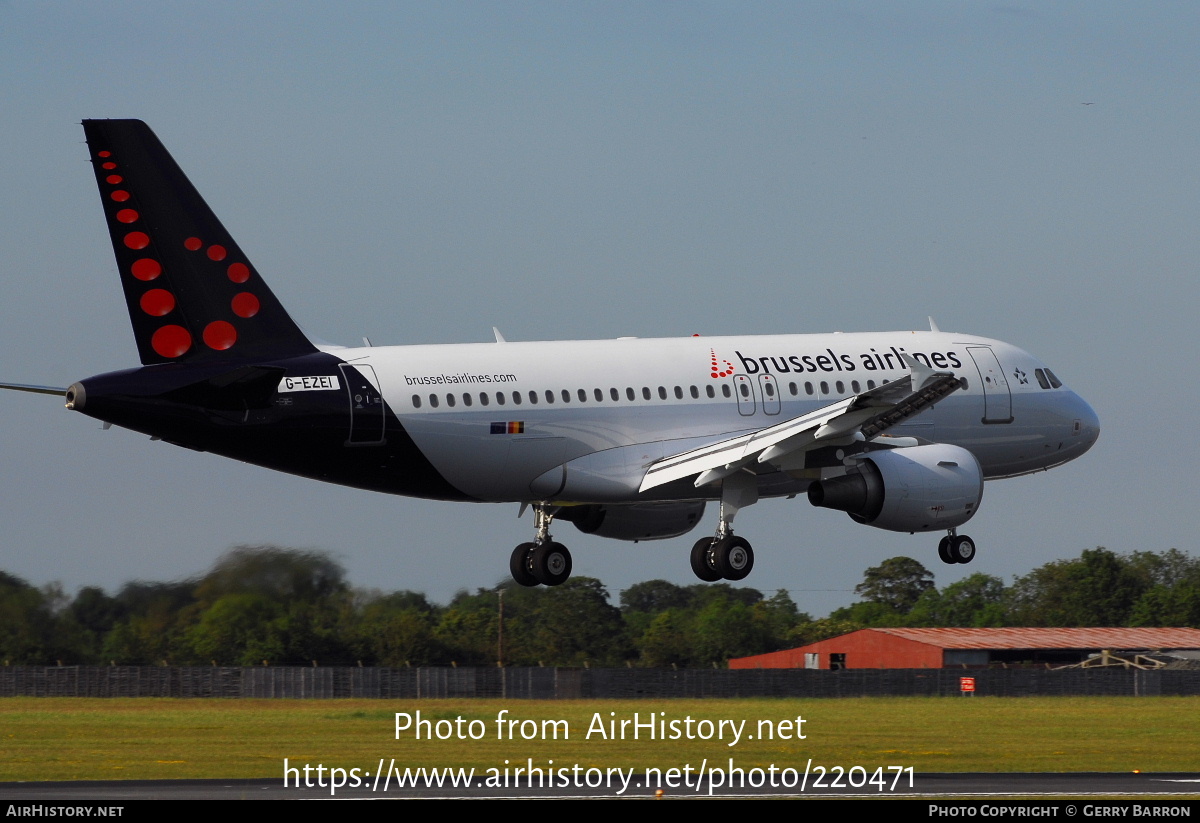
(917, 489)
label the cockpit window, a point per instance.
(1054, 381)
(1041, 378)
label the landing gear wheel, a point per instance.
(518, 565)
(733, 557)
(702, 560)
(551, 563)
(944, 550)
(962, 549)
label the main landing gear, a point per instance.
(956, 548)
(724, 556)
(542, 561)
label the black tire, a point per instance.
(944, 550)
(962, 548)
(734, 558)
(702, 565)
(551, 563)
(518, 565)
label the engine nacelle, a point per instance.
(917, 489)
(639, 521)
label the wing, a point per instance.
(860, 417)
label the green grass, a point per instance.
(107, 739)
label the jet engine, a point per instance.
(916, 489)
(639, 521)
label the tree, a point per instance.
(29, 628)
(975, 601)
(654, 596)
(667, 641)
(274, 572)
(239, 629)
(1100, 588)
(897, 582)
(574, 624)
(155, 619)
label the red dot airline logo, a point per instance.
(171, 340)
(717, 370)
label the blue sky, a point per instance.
(421, 172)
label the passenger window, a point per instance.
(583, 395)
(662, 392)
(695, 393)
(841, 387)
(678, 393)
(499, 398)
(450, 400)
(566, 396)
(599, 395)
(483, 398)
(629, 393)
(549, 395)
(532, 397)
(725, 390)
(646, 392)
(710, 391)
(793, 389)
(870, 384)
(614, 394)
(516, 398)
(466, 399)
(416, 401)
(433, 401)
(824, 387)
(808, 388)
(744, 389)
(854, 384)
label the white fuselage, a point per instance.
(498, 420)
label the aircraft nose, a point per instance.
(1086, 421)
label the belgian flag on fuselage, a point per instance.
(191, 292)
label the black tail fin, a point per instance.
(191, 292)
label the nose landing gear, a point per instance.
(956, 548)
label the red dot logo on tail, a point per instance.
(145, 268)
(157, 302)
(171, 341)
(245, 304)
(137, 240)
(220, 335)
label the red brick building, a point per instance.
(944, 648)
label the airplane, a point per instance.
(626, 438)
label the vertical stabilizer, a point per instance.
(190, 290)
